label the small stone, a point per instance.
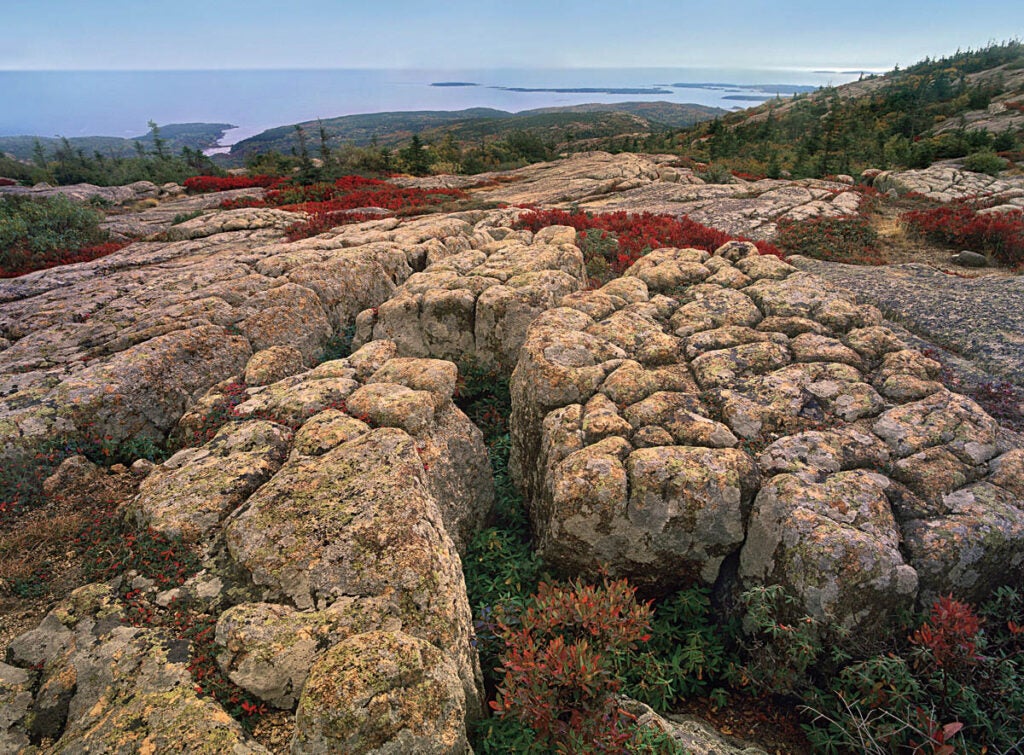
(968, 258)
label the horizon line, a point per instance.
(823, 68)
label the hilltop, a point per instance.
(970, 103)
(290, 471)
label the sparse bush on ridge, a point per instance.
(39, 233)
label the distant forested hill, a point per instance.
(175, 136)
(477, 125)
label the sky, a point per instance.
(468, 34)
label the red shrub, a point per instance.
(638, 234)
(204, 184)
(950, 633)
(330, 205)
(557, 669)
(15, 262)
(8, 182)
(960, 224)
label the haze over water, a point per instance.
(120, 103)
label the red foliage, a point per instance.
(950, 633)
(749, 176)
(638, 234)
(557, 675)
(204, 184)
(960, 224)
(331, 204)
(8, 182)
(17, 262)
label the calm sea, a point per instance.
(120, 103)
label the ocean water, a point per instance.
(120, 103)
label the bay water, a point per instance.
(120, 103)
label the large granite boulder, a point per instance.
(382, 692)
(477, 303)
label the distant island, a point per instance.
(749, 97)
(767, 88)
(587, 90)
(454, 84)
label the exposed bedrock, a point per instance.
(478, 303)
(665, 423)
(323, 506)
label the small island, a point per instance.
(454, 84)
(589, 90)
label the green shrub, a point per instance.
(850, 239)
(985, 162)
(685, 656)
(40, 226)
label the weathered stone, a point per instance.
(608, 507)
(326, 430)
(359, 521)
(688, 733)
(943, 418)
(382, 692)
(809, 347)
(392, 405)
(272, 364)
(295, 399)
(682, 415)
(835, 546)
(726, 338)
(725, 366)
(268, 649)
(432, 375)
(640, 336)
(764, 267)
(196, 490)
(712, 307)
(973, 548)
(787, 399)
(816, 452)
(15, 700)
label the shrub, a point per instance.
(1000, 235)
(849, 238)
(635, 234)
(205, 184)
(558, 661)
(984, 162)
(35, 234)
(955, 684)
(339, 202)
(685, 656)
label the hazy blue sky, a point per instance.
(453, 34)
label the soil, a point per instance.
(770, 722)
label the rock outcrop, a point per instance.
(948, 183)
(776, 424)
(712, 417)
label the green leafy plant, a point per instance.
(985, 162)
(685, 656)
(40, 233)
